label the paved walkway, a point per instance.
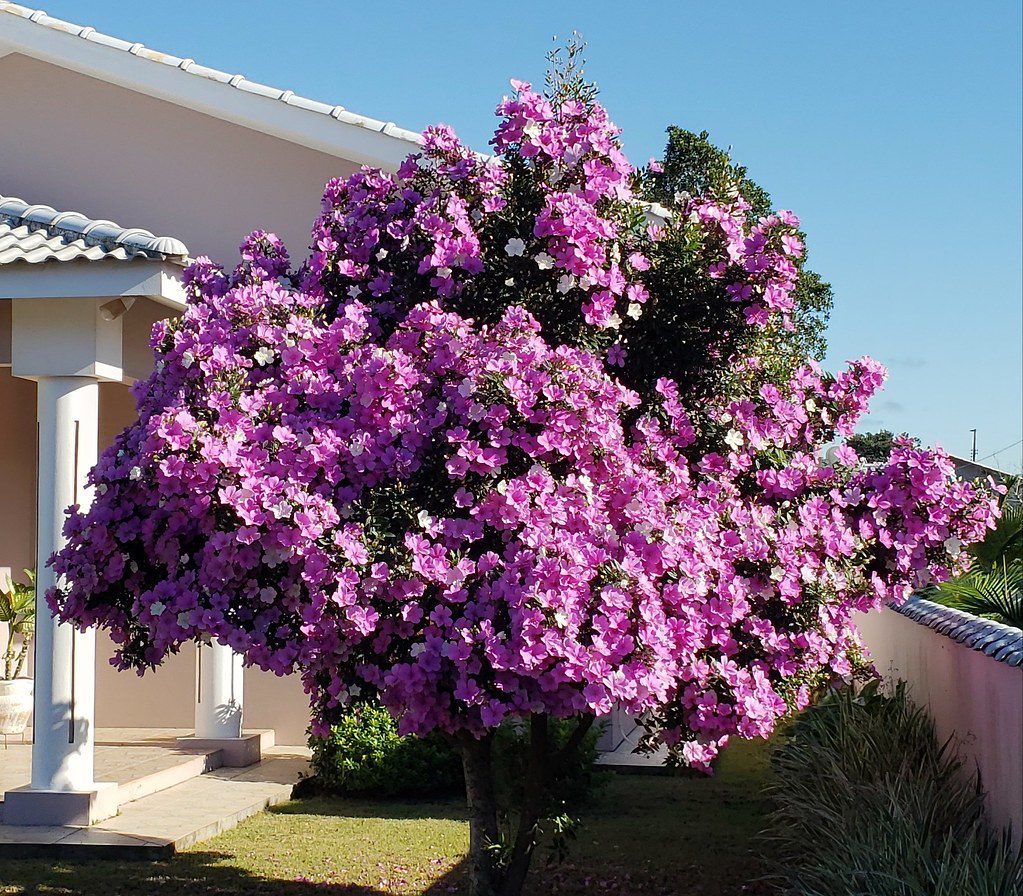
(192, 808)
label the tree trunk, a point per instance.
(483, 829)
(488, 877)
(534, 799)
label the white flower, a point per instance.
(187, 359)
(953, 546)
(777, 573)
(502, 487)
(355, 690)
(811, 405)
(532, 130)
(615, 321)
(101, 489)
(417, 649)
(635, 310)
(183, 620)
(382, 254)
(561, 618)
(135, 473)
(510, 281)
(734, 439)
(425, 520)
(544, 261)
(356, 448)
(157, 608)
(565, 283)
(263, 356)
(515, 246)
(354, 292)
(444, 273)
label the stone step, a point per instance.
(162, 823)
(191, 766)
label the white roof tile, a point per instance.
(36, 233)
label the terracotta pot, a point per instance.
(15, 704)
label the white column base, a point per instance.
(30, 806)
(235, 752)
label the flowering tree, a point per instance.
(473, 458)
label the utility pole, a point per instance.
(973, 453)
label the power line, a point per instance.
(1000, 450)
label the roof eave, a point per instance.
(290, 118)
(153, 279)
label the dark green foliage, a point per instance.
(869, 803)
(364, 755)
(690, 326)
(693, 166)
(873, 447)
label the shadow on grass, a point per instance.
(327, 805)
(192, 874)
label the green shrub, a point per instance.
(869, 803)
(365, 756)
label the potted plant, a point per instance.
(18, 613)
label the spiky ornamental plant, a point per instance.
(431, 467)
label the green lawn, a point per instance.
(641, 836)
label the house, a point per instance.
(187, 160)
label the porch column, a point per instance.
(67, 346)
(219, 709)
(218, 699)
(65, 659)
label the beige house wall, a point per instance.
(77, 143)
(969, 695)
(74, 142)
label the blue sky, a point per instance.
(892, 129)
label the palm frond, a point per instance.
(987, 592)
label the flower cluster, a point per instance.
(550, 223)
(344, 473)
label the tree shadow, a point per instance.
(191, 874)
(438, 808)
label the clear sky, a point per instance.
(892, 129)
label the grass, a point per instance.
(641, 836)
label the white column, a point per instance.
(65, 659)
(218, 704)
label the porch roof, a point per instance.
(45, 253)
(38, 233)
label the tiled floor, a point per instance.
(122, 755)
